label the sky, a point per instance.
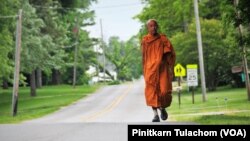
(117, 18)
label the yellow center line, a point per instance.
(108, 108)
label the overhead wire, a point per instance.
(98, 7)
(69, 8)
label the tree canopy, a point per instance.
(219, 33)
(54, 35)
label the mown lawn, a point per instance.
(48, 100)
(224, 106)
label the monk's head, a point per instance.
(152, 27)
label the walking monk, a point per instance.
(158, 62)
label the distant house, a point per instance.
(238, 76)
(97, 72)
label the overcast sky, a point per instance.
(116, 18)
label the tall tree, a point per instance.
(56, 31)
(77, 3)
(33, 54)
(210, 9)
(126, 57)
(7, 30)
(172, 15)
(175, 18)
(62, 19)
(219, 50)
(77, 15)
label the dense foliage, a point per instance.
(220, 36)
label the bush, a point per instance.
(115, 82)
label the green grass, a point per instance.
(224, 106)
(48, 100)
(216, 110)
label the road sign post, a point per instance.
(192, 78)
(179, 91)
(192, 94)
(179, 71)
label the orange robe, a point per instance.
(158, 62)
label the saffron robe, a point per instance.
(158, 57)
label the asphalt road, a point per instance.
(114, 103)
(101, 116)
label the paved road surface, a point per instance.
(115, 103)
(101, 116)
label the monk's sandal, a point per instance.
(164, 114)
(156, 119)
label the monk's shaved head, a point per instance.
(152, 27)
(152, 20)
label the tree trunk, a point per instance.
(5, 84)
(56, 77)
(38, 78)
(212, 82)
(33, 83)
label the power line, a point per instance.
(80, 8)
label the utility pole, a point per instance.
(17, 63)
(242, 46)
(103, 49)
(97, 64)
(185, 26)
(75, 63)
(199, 40)
(76, 31)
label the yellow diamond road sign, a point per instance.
(179, 70)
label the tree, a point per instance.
(33, 55)
(76, 3)
(175, 16)
(55, 31)
(7, 29)
(126, 57)
(172, 15)
(6, 48)
(62, 20)
(210, 9)
(244, 9)
(218, 48)
(47, 39)
(78, 16)
(85, 57)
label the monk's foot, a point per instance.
(156, 119)
(164, 114)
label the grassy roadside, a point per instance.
(224, 106)
(48, 100)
